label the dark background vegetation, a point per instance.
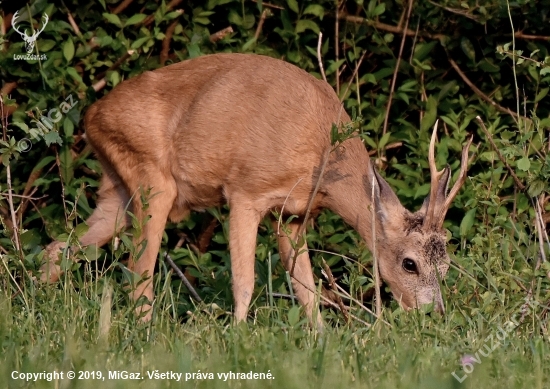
(458, 60)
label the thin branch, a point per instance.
(122, 6)
(394, 78)
(319, 44)
(337, 45)
(388, 27)
(387, 147)
(478, 92)
(353, 75)
(166, 42)
(182, 277)
(151, 18)
(331, 303)
(15, 229)
(332, 284)
(521, 35)
(269, 5)
(73, 24)
(519, 184)
(218, 36)
(260, 24)
(102, 82)
(376, 270)
(348, 296)
(456, 11)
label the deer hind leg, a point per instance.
(302, 280)
(243, 229)
(108, 217)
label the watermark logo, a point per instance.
(493, 341)
(30, 40)
(45, 125)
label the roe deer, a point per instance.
(253, 131)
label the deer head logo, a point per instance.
(29, 40)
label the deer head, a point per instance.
(29, 40)
(411, 246)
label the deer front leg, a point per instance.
(243, 229)
(302, 279)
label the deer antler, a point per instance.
(459, 182)
(14, 18)
(439, 201)
(44, 23)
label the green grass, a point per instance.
(76, 326)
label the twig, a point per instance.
(521, 35)
(519, 184)
(478, 92)
(375, 269)
(337, 45)
(73, 24)
(394, 78)
(122, 6)
(319, 44)
(269, 5)
(348, 296)
(332, 303)
(218, 36)
(151, 18)
(260, 24)
(166, 42)
(389, 27)
(102, 82)
(353, 75)
(456, 11)
(387, 147)
(182, 277)
(332, 285)
(539, 227)
(15, 229)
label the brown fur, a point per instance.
(245, 129)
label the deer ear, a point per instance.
(383, 198)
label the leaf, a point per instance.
(293, 5)
(52, 137)
(333, 66)
(112, 18)
(536, 188)
(315, 9)
(293, 315)
(468, 48)
(524, 164)
(379, 9)
(431, 112)
(68, 49)
(543, 92)
(137, 18)
(303, 25)
(384, 140)
(74, 74)
(467, 222)
(139, 42)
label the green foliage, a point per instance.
(491, 226)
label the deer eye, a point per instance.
(409, 265)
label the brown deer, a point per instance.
(253, 131)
